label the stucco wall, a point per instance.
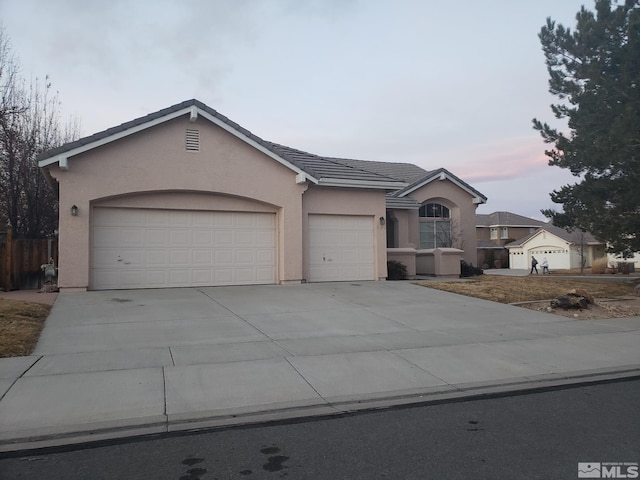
(341, 201)
(156, 160)
(463, 214)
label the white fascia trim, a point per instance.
(257, 146)
(444, 176)
(115, 136)
(341, 182)
(192, 111)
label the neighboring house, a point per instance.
(186, 197)
(495, 230)
(563, 249)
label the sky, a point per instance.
(451, 84)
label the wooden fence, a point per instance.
(21, 259)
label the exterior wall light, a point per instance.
(74, 210)
(382, 221)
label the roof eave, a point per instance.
(193, 111)
(402, 207)
(62, 156)
(443, 175)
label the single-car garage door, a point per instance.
(341, 248)
(146, 248)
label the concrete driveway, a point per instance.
(121, 363)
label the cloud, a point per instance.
(502, 159)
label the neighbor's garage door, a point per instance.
(340, 248)
(143, 248)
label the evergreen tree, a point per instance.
(594, 71)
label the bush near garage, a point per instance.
(396, 270)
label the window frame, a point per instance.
(434, 228)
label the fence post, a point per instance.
(7, 259)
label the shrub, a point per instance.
(468, 270)
(396, 270)
(599, 265)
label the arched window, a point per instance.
(434, 210)
(435, 226)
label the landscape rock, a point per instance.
(581, 292)
(569, 301)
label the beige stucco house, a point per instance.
(186, 197)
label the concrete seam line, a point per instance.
(422, 369)
(234, 314)
(308, 383)
(21, 375)
(277, 342)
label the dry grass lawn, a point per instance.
(505, 289)
(20, 326)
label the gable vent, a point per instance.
(192, 140)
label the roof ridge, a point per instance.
(374, 161)
(334, 160)
(317, 167)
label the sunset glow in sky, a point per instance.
(435, 83)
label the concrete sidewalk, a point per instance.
(124, 363)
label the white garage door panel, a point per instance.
(136, 248)
(341, 248)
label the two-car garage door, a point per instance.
(148, 248)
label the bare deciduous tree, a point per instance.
(29, 125)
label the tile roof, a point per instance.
(404, 172)
(506, 219)
(386, 175)
(438, 174)
(402, 203)
(315, 165)
(325, 167)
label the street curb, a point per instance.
(145, 427)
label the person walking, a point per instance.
(545, 266)
(534, 265)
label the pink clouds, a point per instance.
(499, 160)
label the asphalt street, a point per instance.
(541, 435)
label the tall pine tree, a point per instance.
(594, 71)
